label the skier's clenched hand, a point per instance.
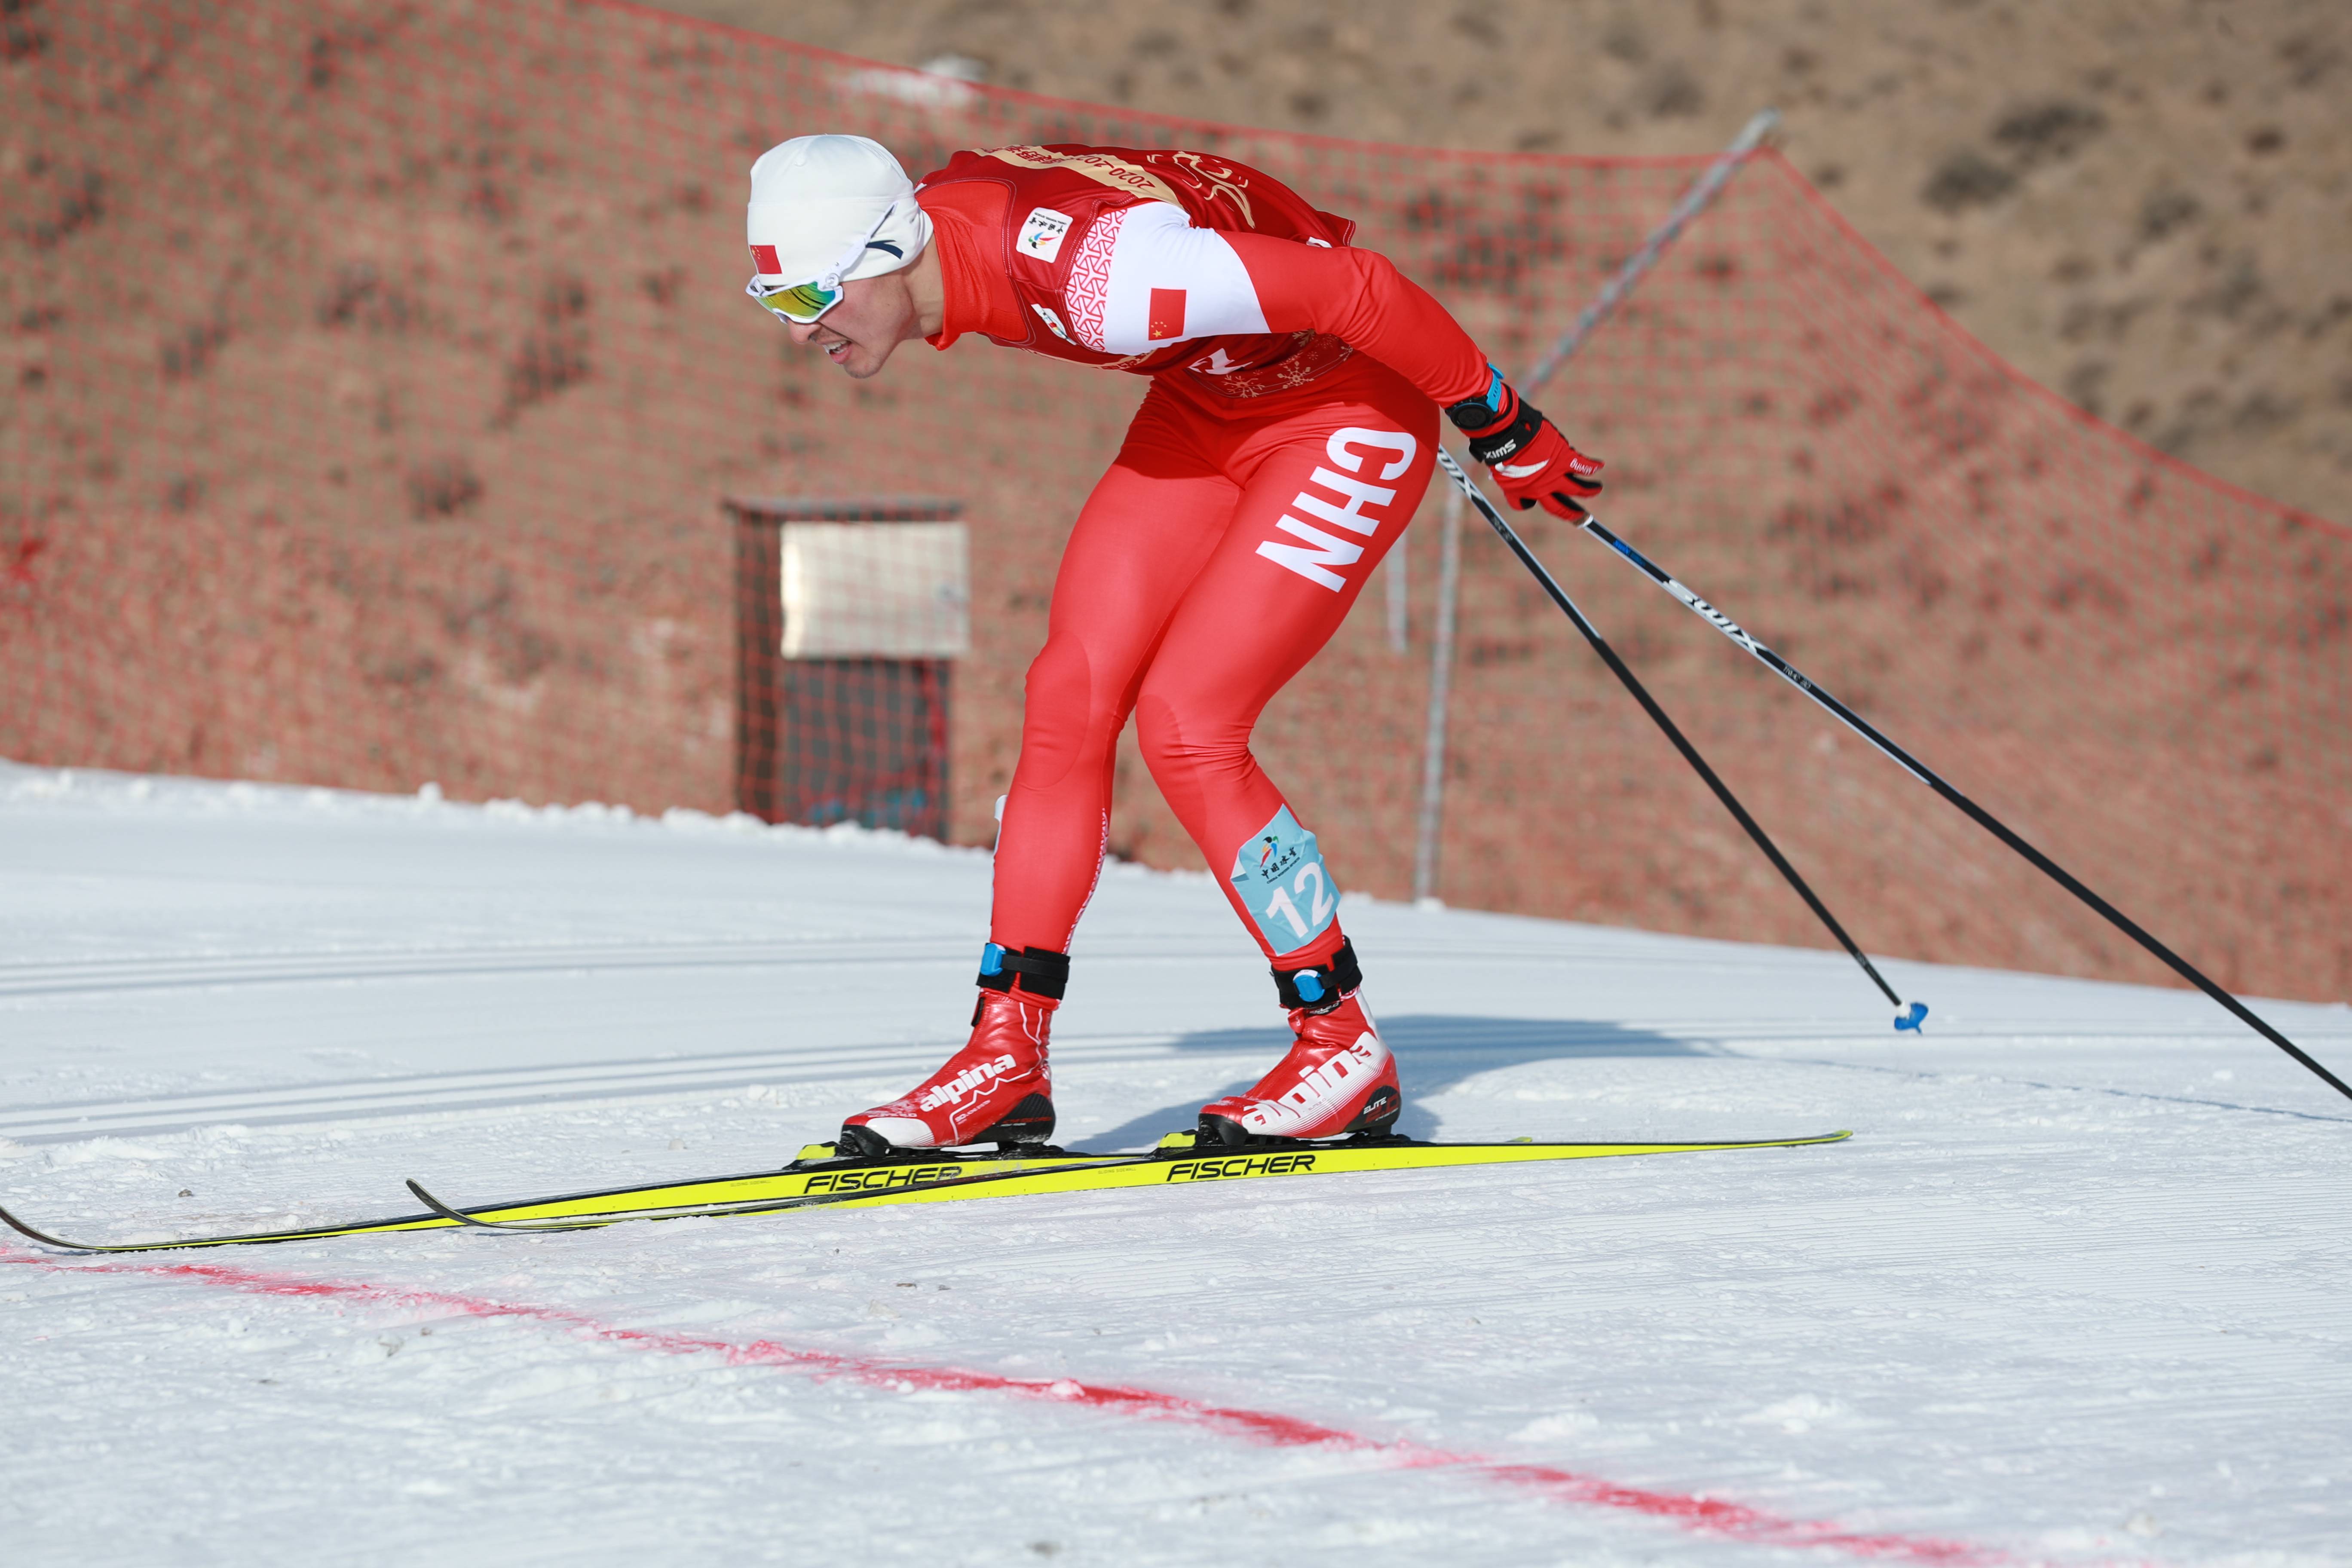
(1545, 470)
(1532, 460)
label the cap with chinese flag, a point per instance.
(828, 209)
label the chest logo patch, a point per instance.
(1041, 234)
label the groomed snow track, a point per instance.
(2075, 1293)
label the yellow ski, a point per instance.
(1177, 1161)
(800, 1178)
(820, 1178)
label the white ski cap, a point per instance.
(828, 209)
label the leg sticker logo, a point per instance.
(1279, 877)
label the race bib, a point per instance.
(1278, 874)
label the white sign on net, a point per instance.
(867, 590)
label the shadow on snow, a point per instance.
(1434, 1051)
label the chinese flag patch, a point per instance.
(1167, 317)
(764, 257)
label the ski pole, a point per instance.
(1977, 814)
(1911, 1015)
(1695, 200)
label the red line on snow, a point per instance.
(1700, 1515)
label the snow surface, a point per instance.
(2078, 1289)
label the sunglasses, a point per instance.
(800, 303)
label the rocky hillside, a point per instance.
(2144, 203)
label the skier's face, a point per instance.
(859, 334)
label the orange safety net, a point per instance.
(378, 376)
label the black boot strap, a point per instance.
(1320, 990)
(1042, 971)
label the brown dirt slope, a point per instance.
(2144, 203)
(412, 471)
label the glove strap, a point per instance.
(1498, 421)
(1509, 438)
(1322, 989)
(1041, 971)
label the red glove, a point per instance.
(1532, 460)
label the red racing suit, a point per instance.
(1287, 438)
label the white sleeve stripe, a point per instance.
(1156, 247)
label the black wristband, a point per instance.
(1487, 409)
(1475, 413)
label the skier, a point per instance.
(1288, 436)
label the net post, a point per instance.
(1441, 677)
(1397, 590)
(759, 635)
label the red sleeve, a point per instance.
(1361, 297)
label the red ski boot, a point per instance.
(999, 1088)
(1337, 1078)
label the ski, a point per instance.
(240, 1239)
(844, 1195)
(822, 1178)
(817, 1171)
(1178, 1160)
